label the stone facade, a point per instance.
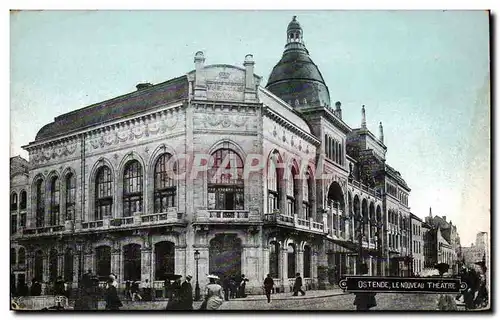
(417, 245)
(137, 185)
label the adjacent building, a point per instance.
(211, 173)
(417, 245)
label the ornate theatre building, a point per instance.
(253, 180)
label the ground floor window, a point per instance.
(103, 259)
(274, 250)
(132, 262)
(164, 259)
(225, 198)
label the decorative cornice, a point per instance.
(290, 126)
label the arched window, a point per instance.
(103, 259)
(225, 181)
(307, 196)
(70, 196)
(13, 202)
(132, 188)
(165, 187)
(23, 200)
(307, 262)
(68, 265)
(273, 185)
(103, 193)
(53, 265)
(21, 257)
(54, 201)
(290, 192)
(132, 262)
(164, 259)
(291, 260)
(40, 203)
(13, 256)
(39, 265)
(274, 250)
(13, 223)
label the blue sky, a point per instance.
(424, 74)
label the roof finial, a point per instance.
(294, 18)
(363, 117)
(381, 129)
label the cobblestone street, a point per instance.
(314, 300)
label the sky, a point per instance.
(424, 74)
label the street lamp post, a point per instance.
(359, 230)
(197, 287)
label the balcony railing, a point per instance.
(227, 214)
(299, 223)
(365, 188)
(44, 230)
(163, 217)
(92, 224)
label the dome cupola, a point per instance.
(295, 78)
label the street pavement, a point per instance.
(324, 300)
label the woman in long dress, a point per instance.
(213, 295)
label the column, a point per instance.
(89, 260)
(180, 259)
(338, 219)
(76, 268)
(299, 261)
(116, 264)
(282, 195)
(284, 270)
(265, 264)
(314, 267)
(146, 264)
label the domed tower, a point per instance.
(295, 78)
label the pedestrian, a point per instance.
(59, 286)
(135, 291)
(364, 300)
(147, 295)
(226, 285)
(213, 295)
(242, 286)
(268, 287)
(87, 279)
(112, 300)
(128, 290)
(174, 302)
(36, 288)
(187, 294)
(233, 287)
(297, 286)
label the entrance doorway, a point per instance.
(225, 255)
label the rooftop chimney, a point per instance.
(142, 86)
(363, 117)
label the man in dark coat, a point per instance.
(268, 287)
(187, 294)
(36, 288)
(226, 286)
(59, 286)
(112, 300)
(364, 300)
(297, 286)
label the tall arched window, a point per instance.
(54, 201)
(68, 265)
(13, 256)
(290, 194)
(103, 261)
(53, 265)
(274, 249)
(307, 196)
(165, 187)
(103, 193)
(70, 196)
(21, 257)
(132, 188)
(38, 265)
(132, 262)
(225, 181)
(273, 185)
(40, 203)
(164, 259)
(307, 262)
(291, 260)
(23, 200)
(13, 202)
(22, 207)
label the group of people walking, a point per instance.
(234, 287)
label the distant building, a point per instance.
(476, 252)
(442, 242)
(417, 245)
